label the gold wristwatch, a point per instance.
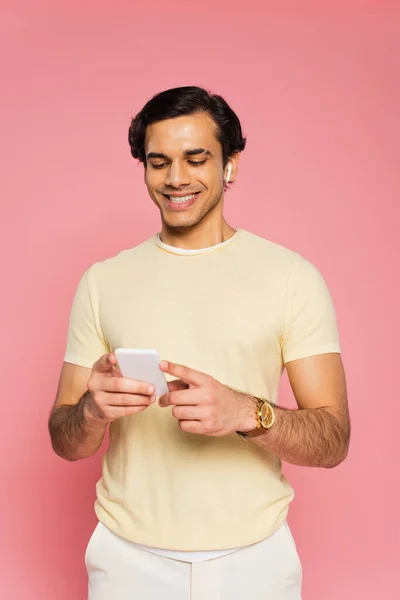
(265, 414)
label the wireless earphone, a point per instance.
(228, 175)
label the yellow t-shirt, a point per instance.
(237, 311)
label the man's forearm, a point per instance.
(72, 436)
(312, 437)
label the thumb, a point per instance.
(105, 363)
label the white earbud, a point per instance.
(228, 175)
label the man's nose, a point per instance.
(178, 175)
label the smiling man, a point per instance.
(192, 502)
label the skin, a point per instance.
(315, 434)
(202, 225)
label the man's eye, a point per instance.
(195, 163)
(158, 166)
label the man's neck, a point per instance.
(198, 237)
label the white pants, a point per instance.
(119, 570)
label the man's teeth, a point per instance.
(181, 200)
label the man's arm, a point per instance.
(87, 400)
(72, 435)
(318, 432)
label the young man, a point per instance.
(192, 503)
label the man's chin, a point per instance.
(182, 222)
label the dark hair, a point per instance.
(187, 100)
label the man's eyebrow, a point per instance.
(186, 153)
(197, 151)
(157, 155)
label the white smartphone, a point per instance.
(142, 365)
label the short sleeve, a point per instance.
(310, 326)
(85, 339)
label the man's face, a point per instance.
(184, 173)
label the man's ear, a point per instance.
(231, 169)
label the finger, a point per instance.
(116, 412)
(177, 384)
(193, 427)
(125, 385)
(189, 413)
(185, 373)
(183, 397)
(104, 400)
(129, 400)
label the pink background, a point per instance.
(317, 91)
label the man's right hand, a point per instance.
(111, 396)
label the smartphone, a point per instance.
(142, 365)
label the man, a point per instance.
(192, 503)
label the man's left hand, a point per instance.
(203, 405)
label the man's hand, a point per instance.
(110, 395)
(203, 405)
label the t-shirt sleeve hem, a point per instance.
(314, 351)
(79, 360)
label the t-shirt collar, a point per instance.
(184, 251)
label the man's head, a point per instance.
(188, 140)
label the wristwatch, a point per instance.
(265, 417)
(265, 414)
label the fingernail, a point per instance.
(164, 364)
(152, 399)
(150, 389)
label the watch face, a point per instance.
(266, 415)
